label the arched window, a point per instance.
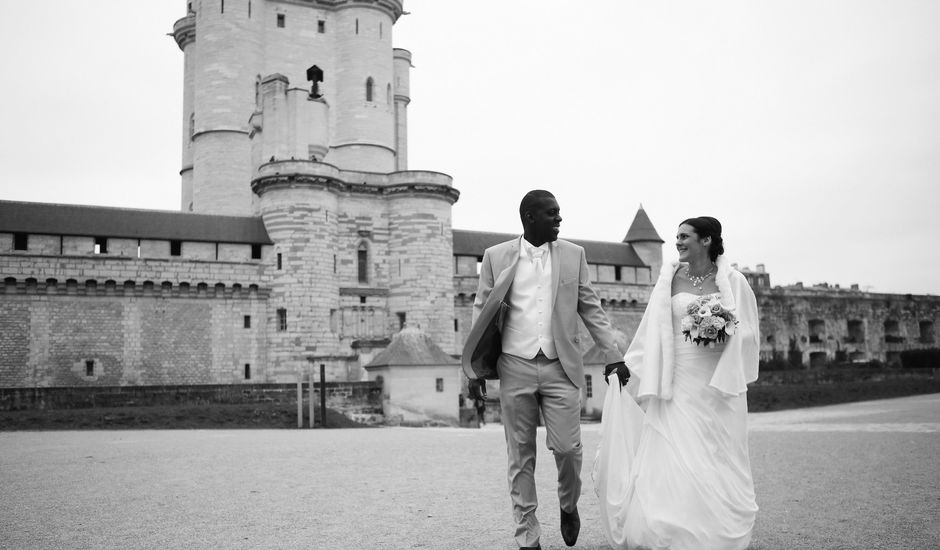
(362, 260)
(369, 85)
(388, 93)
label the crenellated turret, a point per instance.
(184, 32)
(363, 108)
(225, 57)
(402, 90)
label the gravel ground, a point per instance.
(863, 475)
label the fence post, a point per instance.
(322, 395)
(300, 398)
(310, 402)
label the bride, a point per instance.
(673, 472)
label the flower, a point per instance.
(707, 321)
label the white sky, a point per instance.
(810, 129)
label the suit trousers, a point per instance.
(527, 387)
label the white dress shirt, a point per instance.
(528, 327)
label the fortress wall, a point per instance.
(818, 326)
(86, 319)
(105, 335)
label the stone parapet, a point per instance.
(116, 272)
(289, 173)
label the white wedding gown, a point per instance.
(678, 476)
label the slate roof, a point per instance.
(642, 229)
(473, 243)
(412, 346)
(128, 223)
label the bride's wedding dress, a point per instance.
(677, 476)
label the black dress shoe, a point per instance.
(570, 526)
(539, 547)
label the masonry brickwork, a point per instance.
(823, 324)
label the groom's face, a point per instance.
(543, 221)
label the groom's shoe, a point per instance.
(570, 526)
(539, 547)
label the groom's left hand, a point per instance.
(623, 372)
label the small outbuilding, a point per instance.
(420, 381)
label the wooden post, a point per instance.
(310, 402)
(322, 395)
(300, 399)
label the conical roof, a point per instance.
(412, 346)
(642, 229)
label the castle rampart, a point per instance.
(818, 325)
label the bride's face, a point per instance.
(689, 245)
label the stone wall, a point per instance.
(108, 319)
(819, 325)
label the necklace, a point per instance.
(697, 281)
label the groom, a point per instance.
(525, 333)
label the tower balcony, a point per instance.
(184, 31)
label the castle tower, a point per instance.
(420, 248)
(363, 107)
(646, 241)
(184, 31)
(221, 59)
(230, 47)
(402, 99)
(297, 113)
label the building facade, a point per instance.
(815, 326)
(305, 238)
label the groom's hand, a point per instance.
(476, 387)
(623, 373)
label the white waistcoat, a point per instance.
(528, 327)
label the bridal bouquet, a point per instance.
(707, 321)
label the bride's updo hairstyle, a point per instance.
(706, 226)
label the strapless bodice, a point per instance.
(680, 305)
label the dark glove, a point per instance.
(476, 387)
(623, 373)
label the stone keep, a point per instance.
(362, 245)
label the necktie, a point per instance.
(536, 255)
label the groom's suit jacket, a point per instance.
(573, 296)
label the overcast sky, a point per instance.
(811, 129)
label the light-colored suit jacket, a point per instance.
(573, 297)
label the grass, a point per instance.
(794, 396)
(167, 417)
(271, 415)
